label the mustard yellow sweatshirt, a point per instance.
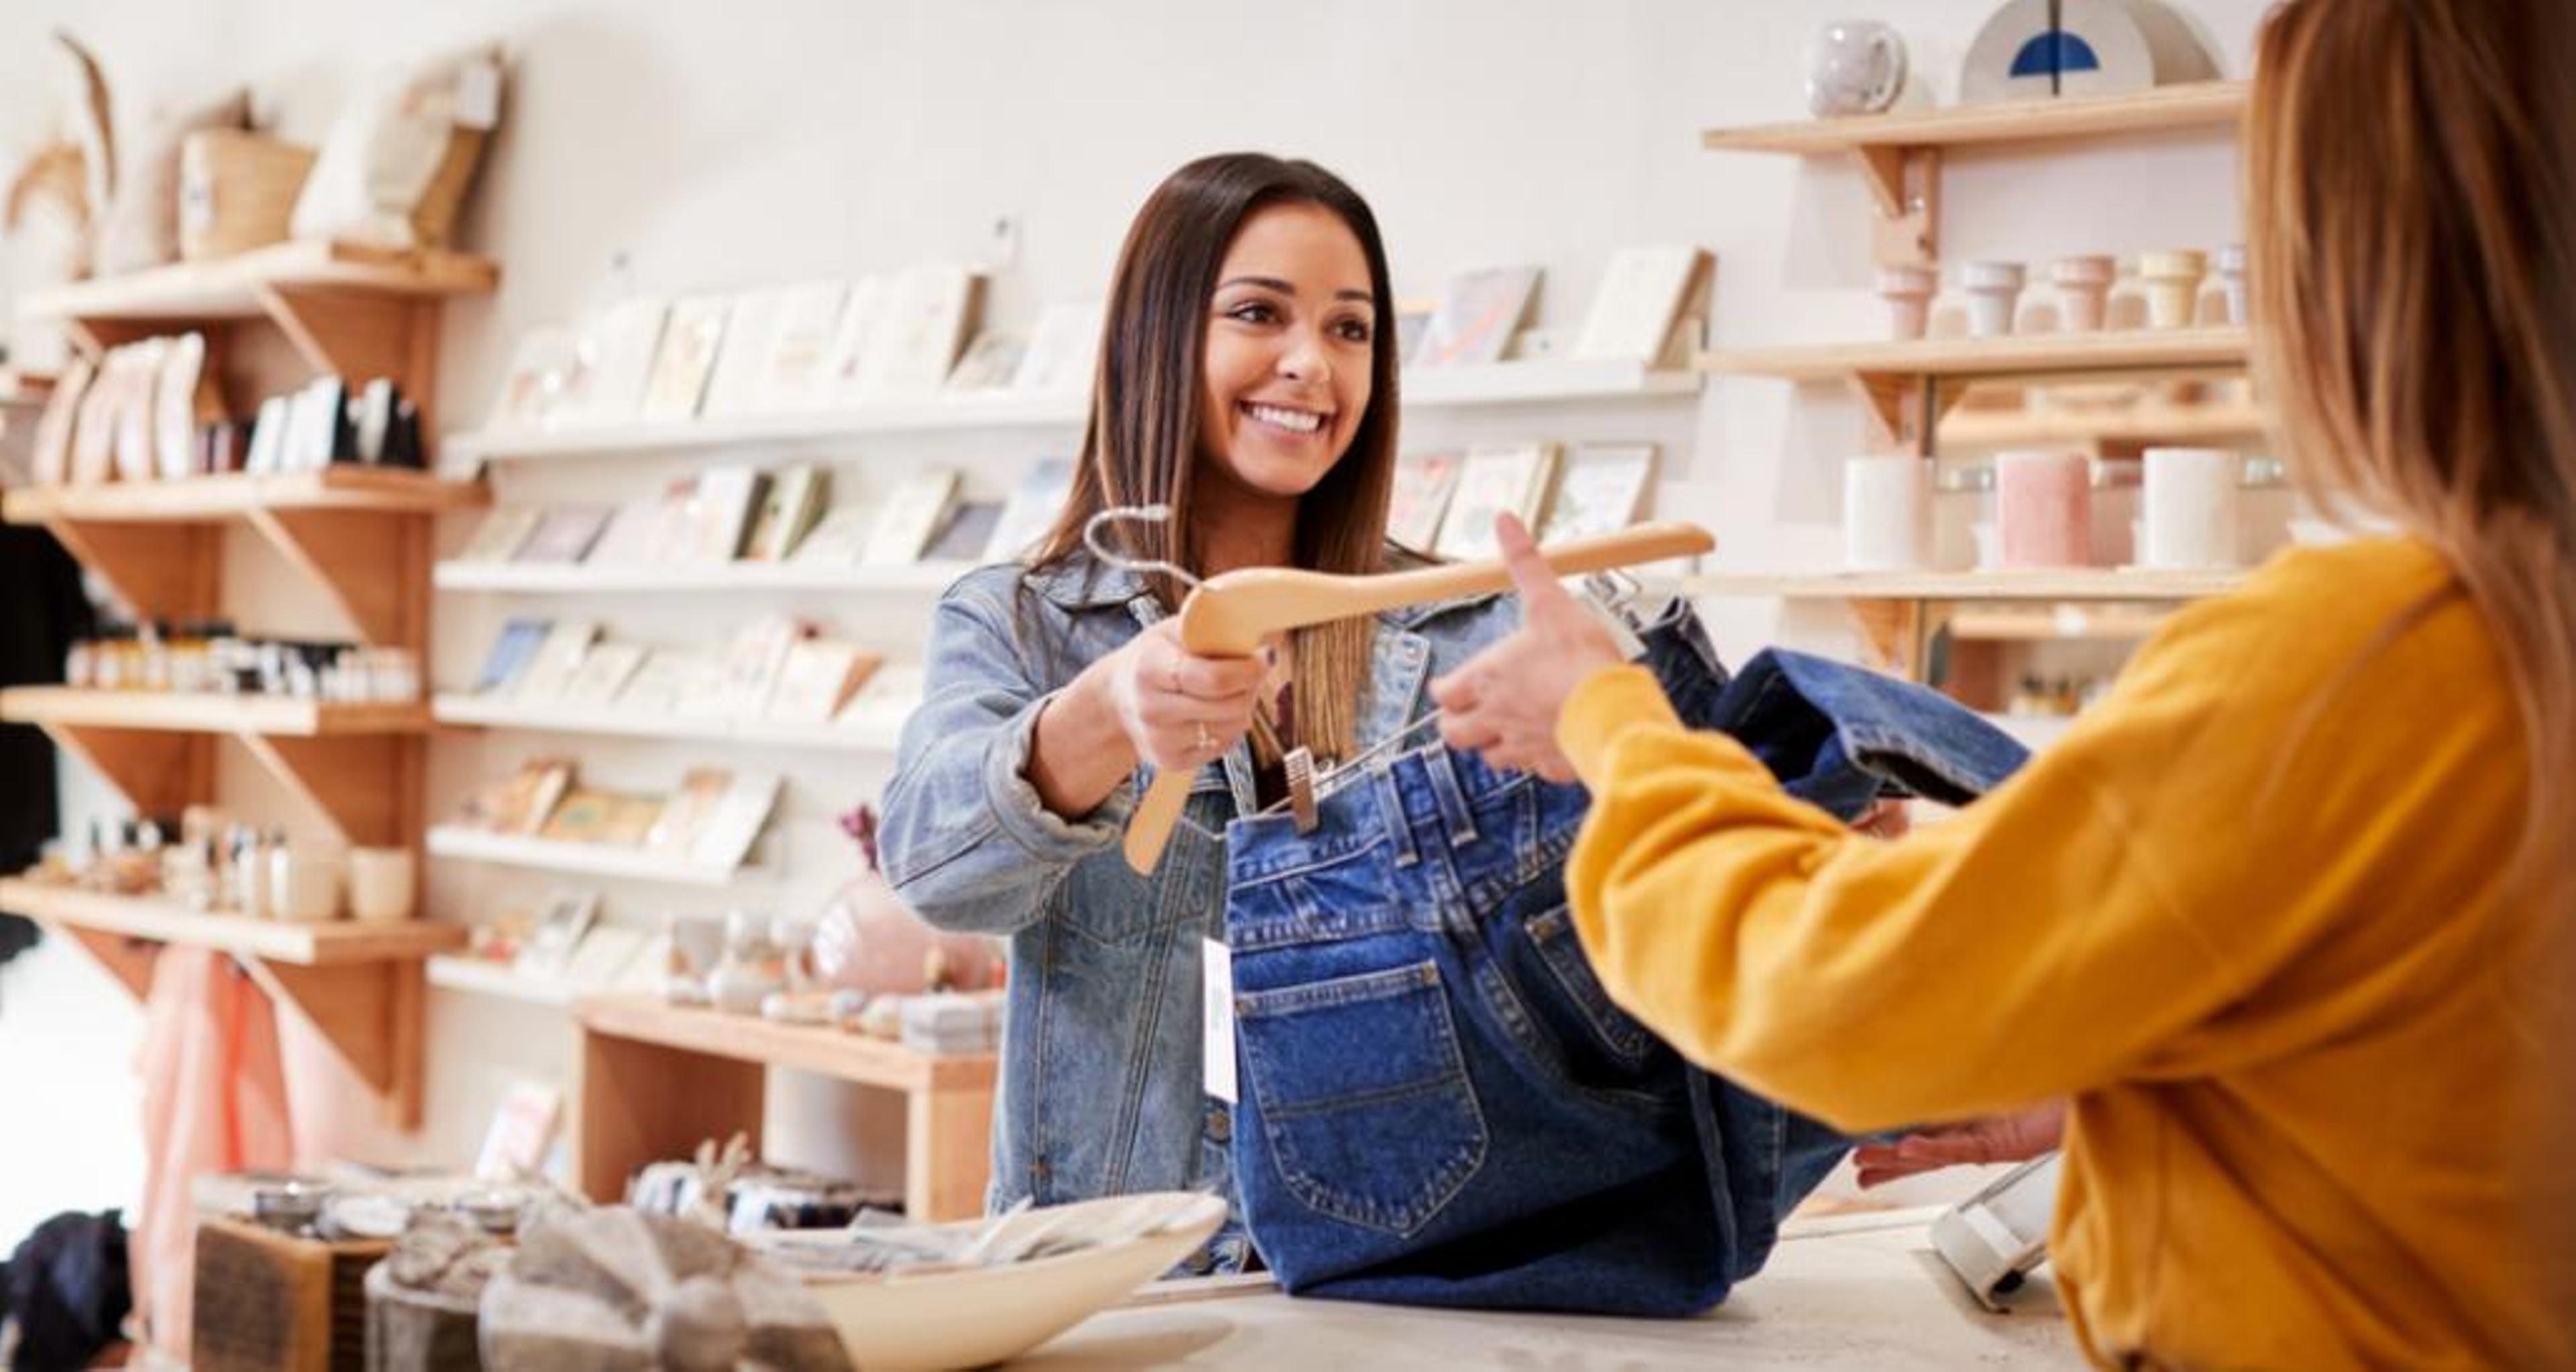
(2248, 914)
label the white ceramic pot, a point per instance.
(1994, 288)
(1855, 66)
(2083, 291)
(2173, 282)
(1908, 291)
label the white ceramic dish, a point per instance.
(987, 1314)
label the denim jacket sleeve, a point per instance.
(966, 839)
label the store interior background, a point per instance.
(668, 148)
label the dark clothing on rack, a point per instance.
(42, 610)
(67, 1290)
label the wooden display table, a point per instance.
(656, 1079)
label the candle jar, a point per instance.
(2043, 509)
(1886, 513)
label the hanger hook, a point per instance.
(1156, 514)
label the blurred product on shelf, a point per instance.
(208, 657)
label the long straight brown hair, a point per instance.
(2411, 234)
(2411, 239)
(1144, 442)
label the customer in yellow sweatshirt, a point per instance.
(2286, 917)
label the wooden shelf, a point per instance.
(2071, 584)
(657, 1078)
(359, 985)
(197, 713)
(236, 287)
(484, 977)
(163, 921)
(2131, 424)
(810, 1048)
(2063, 623)
(527, 578)
(582, 859)
(210, 499)
(581, 719)
(2199, 104)
(2013, 355)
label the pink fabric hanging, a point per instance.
(214, 1100)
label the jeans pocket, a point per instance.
(1552, 933)
(1364, 1099)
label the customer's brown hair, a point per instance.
(1144, 441)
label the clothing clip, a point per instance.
(1613, 597)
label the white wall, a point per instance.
(714, 146)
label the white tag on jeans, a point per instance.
(1216, 1015)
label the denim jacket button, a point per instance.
(1220, 1124)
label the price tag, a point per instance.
(478, 95)
(1216, 998)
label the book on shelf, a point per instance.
(603, 673)
(1423, 484)
(1478, 314)
(793, 376)
(560, 925)
(788, 512)
(50, 464)
(511, 652)
(521, 1134)
(989, 363)
(614, 361)
(968, 532)
(912, 512)
(817, 677)
(1032, 508)
(722, 506)
(630, 538)
(685, 813)
(612, 819)
(542, 364)
(752, 662)
(734, 823)
(685, 360)
(665, 678)
(600, 960)
(886, 699)
(499, 535)
(927, 313)
(564, 534)
(742, 363)
(1063, 350)
(551, 669)
(1643, 297)
(519, 803)
(837, 540)
(1600, 489)
(1495, 479)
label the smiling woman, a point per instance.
(1246, 385)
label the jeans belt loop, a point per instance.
(1390, 804)
(1442, 767)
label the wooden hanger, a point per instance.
(1231, 613)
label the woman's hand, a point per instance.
(1178, 710)
(1997, 1138)
(1503, 702)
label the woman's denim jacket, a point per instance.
(1102, 1088)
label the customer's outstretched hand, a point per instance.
(2017, 1137)
(1503, 702)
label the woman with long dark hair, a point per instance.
(2288, 916)
(1247, 383)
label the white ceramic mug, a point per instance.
(383, 883)
(1886, 513)
(2190, 508)
(303, 884)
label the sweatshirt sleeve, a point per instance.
(2017, 950)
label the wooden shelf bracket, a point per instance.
(372, 1014)
(1906, 182)
(374, 566)
(159, 773)
(365, 784)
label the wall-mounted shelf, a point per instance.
(2013, 355)
(477, 711)
(2070, 584)
(1542, 381)
(537, 578)
(657, 1078)
(359, 984)
(2127, 424)
(2060, 623)
(213, 499)
(580, 859)
(1900, 152)
(199, 713)
(237, 287)
(484, 977)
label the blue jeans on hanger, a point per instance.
(1440, 1105)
